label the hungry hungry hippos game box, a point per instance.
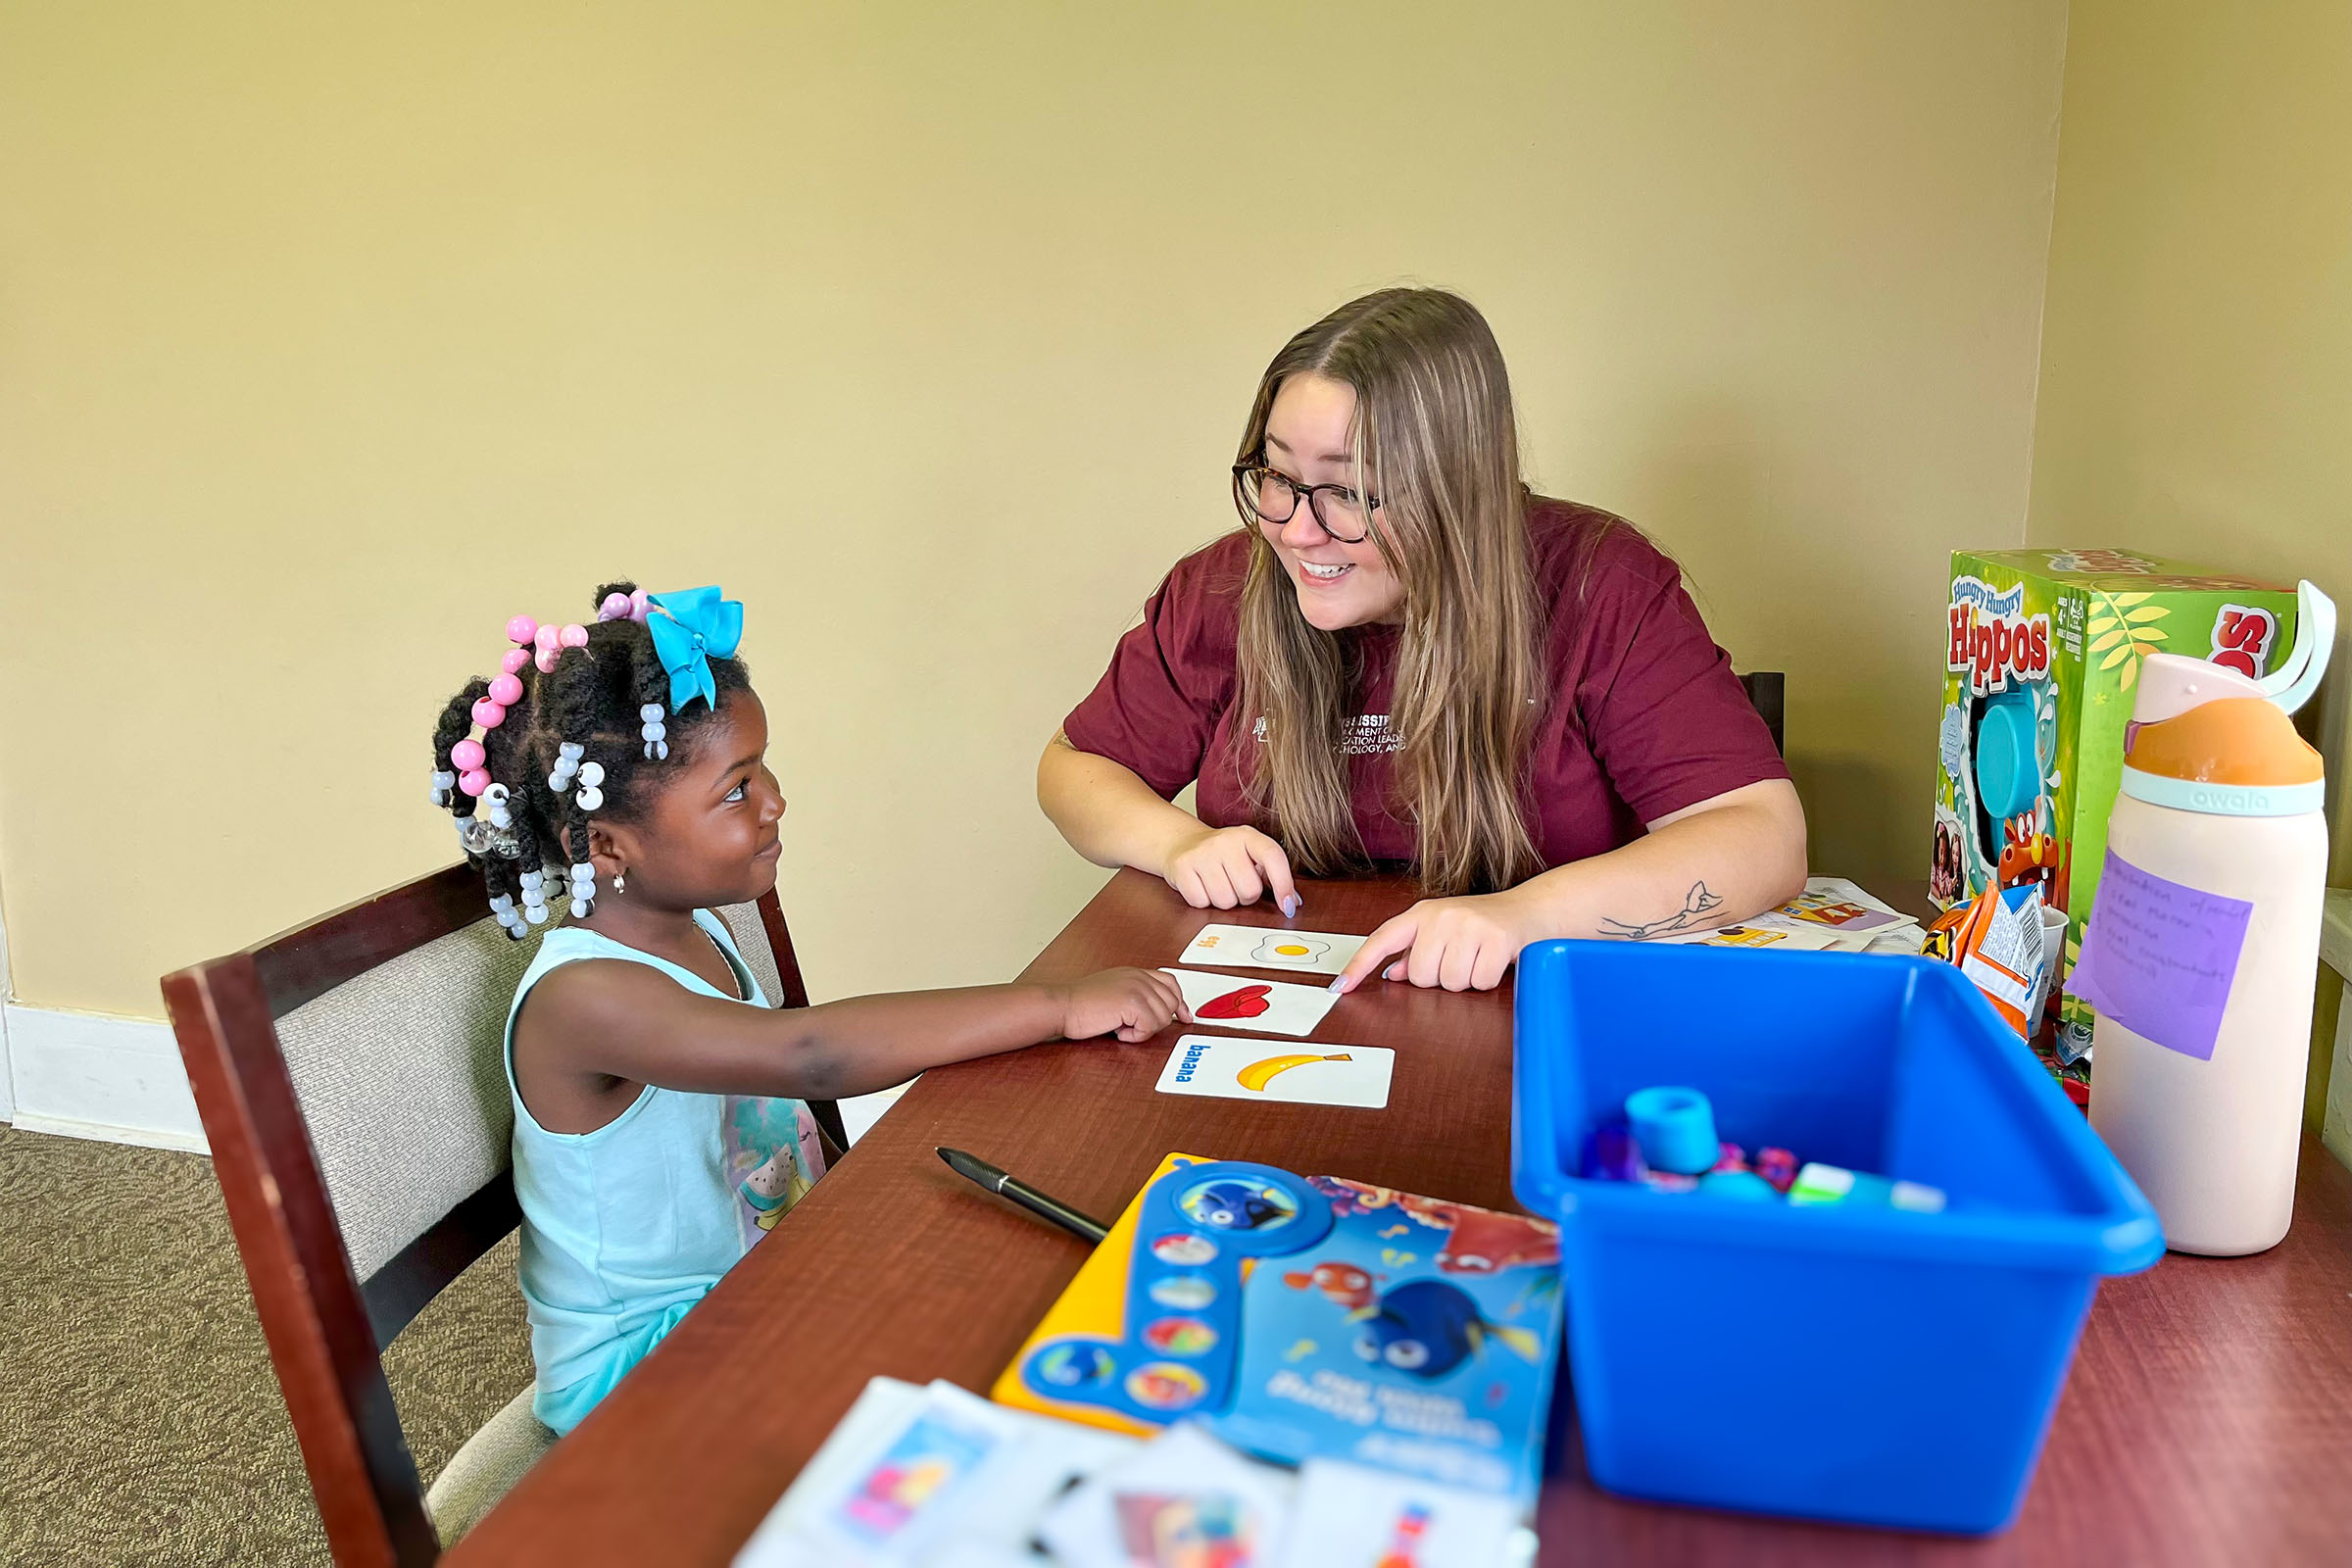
(2042, 652)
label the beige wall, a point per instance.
(2196, 386)
(331, 336)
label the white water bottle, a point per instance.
(2202, 980)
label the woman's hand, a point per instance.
(1132, 1003)
(1228, 867)
(1464, 944)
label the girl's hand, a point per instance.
(1132, 1003)
(1230, 866)
(1461, 944)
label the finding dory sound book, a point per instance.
(1310, 1316)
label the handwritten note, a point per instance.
(2159, 957)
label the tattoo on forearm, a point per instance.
(1694, 910)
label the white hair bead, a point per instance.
(650, 712)
(592, 774)
(536, 914)
(572, 751)
(533, 879)
(503, 903)
(580, 909)
(589, 798)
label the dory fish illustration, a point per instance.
(1428, 1327)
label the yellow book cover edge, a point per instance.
(1095, 1302)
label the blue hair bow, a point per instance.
(689, 631)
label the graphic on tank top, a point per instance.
(772, 1156)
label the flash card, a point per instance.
(1234, 1067)
(1350, 1517)
(1267, 1004)
(1257, 947)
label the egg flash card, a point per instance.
(1258, 946)
(1236, 1067)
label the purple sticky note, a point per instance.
(2159, 957)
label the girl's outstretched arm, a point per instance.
(613, 1020)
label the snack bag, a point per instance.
(1996, 941)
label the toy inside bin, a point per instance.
(1868, 1365)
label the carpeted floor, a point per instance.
(140, 1420)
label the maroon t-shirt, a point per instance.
(1644, 714)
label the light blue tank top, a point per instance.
(625, 1228)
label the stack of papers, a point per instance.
(936, 1478)
(1832, 914)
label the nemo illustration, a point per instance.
(1344, 1283)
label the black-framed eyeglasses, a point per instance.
(1269, 495)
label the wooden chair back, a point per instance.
(1768, 690)
(351, 1079)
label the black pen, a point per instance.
(1021, 1192)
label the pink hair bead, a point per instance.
(546, 637)
(615, 607)
(637, 605)
(546, 661)
(468, 755)
(489, 714)
(521, 630)
(516, 658)
(474, 782)
(506, 689)
(574, 635)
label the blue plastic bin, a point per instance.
(1868, 1365)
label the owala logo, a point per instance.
(2243, 637)
(1992, 640)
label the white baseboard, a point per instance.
(862, 1111)
(87, 1075)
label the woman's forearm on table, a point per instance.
(1106, 813)
(1716, 865)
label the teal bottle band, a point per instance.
(2224, 800)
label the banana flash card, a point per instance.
(1225, 1002)
(1234, 1067)
(1263, 946)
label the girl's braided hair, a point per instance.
(596, 698)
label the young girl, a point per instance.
(620, 768)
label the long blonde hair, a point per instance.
(1434, 440)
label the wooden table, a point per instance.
(2207, 1419)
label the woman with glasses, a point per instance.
(1408, 657)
